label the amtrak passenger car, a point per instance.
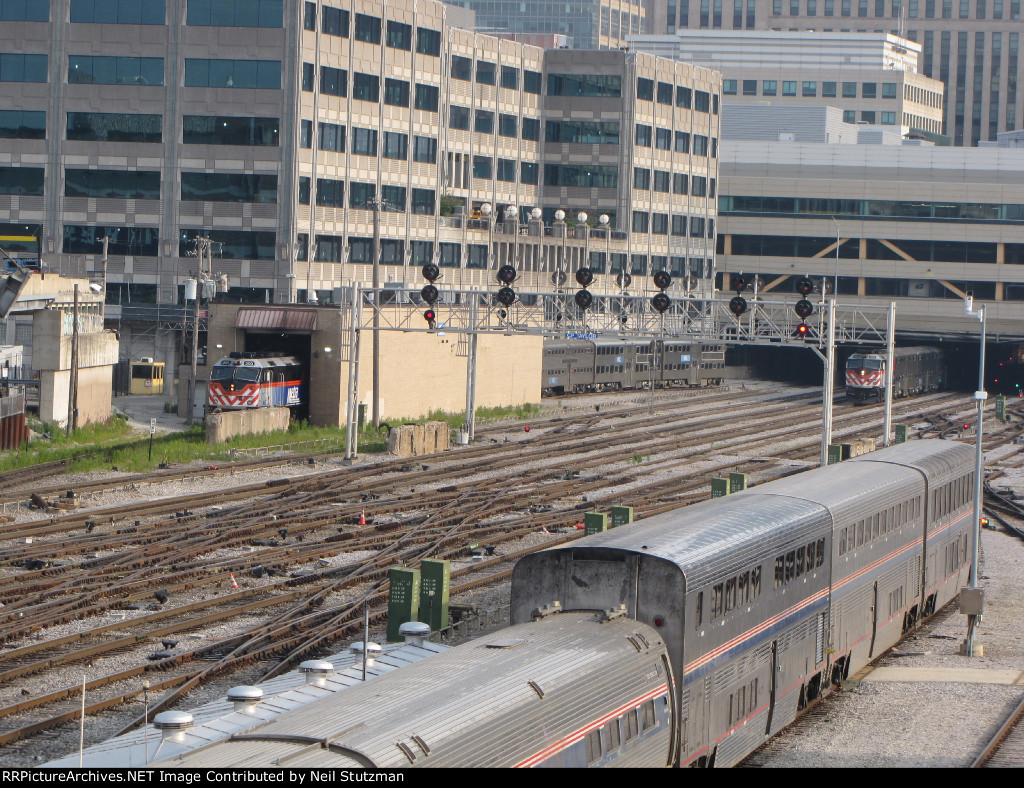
(245, 380)
(686, 639)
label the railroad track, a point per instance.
(426, 521)
(1006, 747)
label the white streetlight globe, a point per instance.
(560, 214)
(581, 217)
(603, 218)
(485, 209)
(511, 212)
(536, 213)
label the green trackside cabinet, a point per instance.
(719, 488)
(737, 482)
(621, 515)
(835, 453)
(403, 600)
(435, 587)
(594, 523)
(1001, 407)
(901, 433)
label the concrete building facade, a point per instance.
(263, 124)
(916, 224)
(973, 46)
(872, 77)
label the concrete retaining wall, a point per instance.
(410, 440)
(223, 426)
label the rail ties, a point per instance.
(1006, 747)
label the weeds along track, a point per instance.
(307, 565)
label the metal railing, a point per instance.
(470, 624)
(295, 448)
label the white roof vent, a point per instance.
(373, 650)
(414, 632)
(316, 668)
(173, 723)
(244, 696)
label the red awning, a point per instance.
(276, 319)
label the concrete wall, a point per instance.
(95, 390)
(410, 440)
(225, 425)
(420, 372)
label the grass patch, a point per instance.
(100, 447)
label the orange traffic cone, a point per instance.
(234, 583)
(362, 517)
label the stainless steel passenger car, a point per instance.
(544, 693)
(768, 597)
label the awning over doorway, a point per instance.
(278, 319)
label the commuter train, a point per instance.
(251, 380)
(916, 370)
(687, 639)
(608, 364)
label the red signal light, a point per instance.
(430, 316)
(802, 329)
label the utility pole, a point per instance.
(73, 383)
(376, 203)
(890, 331)
(103, 302)
(204, 248)
(973, 603)
(470, 426)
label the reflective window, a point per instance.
(484, 122)
(332, 137)
(532, 82)
(528, 172)
(81, 239)
(531, 129)
(23, 124)
(208, 73)
(586, 132)
(507, 170)
(393, 198)
(396, 92)
(591, 176)
(102, 70)
(116, 184)
(428, 42)
(424, 150)
(231, 244)
(335, 21)
(423, 201)
(220, 130)
(111, 12)
(22, 68)
(232, 13)
(508, 125)
(396, 145)
(462, 68)
(427, 97)
(485, 72)
(482, 167)
(228, 187)
(510, 77)
(459, 117)
(24, 181)
(399, 35)
(333, 81)
(367, 28)
(584, 85)
(364, 141)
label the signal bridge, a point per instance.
(765, 322)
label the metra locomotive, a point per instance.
(609, 364)
(684, 640)
(915, 370)
(249, 380)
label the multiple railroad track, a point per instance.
(308, 566)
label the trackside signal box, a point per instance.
(719, 488)
(621, 515)
(1001, 407)
(403, 600)
(737, 482)
(594, 523)
(435, 586)
(835, 453)
(901, 433)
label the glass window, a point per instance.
(81, 239)
(729, 87)
(234, 244)
(309, 16)
(265, 74)
(116, 184)
(595, 85)
(643, 135)
(482, 167)
(399, 35)
(364, 141)
(367, 28)
(426, 97)
(396, 92)
(888, 90)
(849, 116)
(27, 181)
(97, 70)
(528, 172)
(680, 183)
(645, 89)
(462, 68)
(532, 82)
(393, 198)
(641, 222)
(678, 225)
(659, 224)
(684, 97)
(332, 137)
(19, 124)
(139, 12)
(769, 87)
(510, 77)
(221, 130)
(702, 101)
(868, 116)
(531, 129)
(888, 118)
(869, 90)
(361, 195)
(305, 134)
(508, 125)
(849, 90)
(423, 201)
(507, 170)
(28, 11)
(424, 150)
(750, 87)
(485, 72)
(661, 181)
(428, 42)
(333, 81)
(662, 139)
(809, 89)
(335, 21)
(828, 89)
(788, 88)
(458, 117)
(484, 122)
(700, 145)
(396, 145)
(366, 87)
(226, 13)
(641, 178)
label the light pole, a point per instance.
(603, 220)
(485, 211)
(835, 284)
(145, 723)
(972, 597)
(512, 214)
(560, 217)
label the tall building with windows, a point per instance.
(588, 24)
(274, 127)
(872, 77)
(973, 46)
